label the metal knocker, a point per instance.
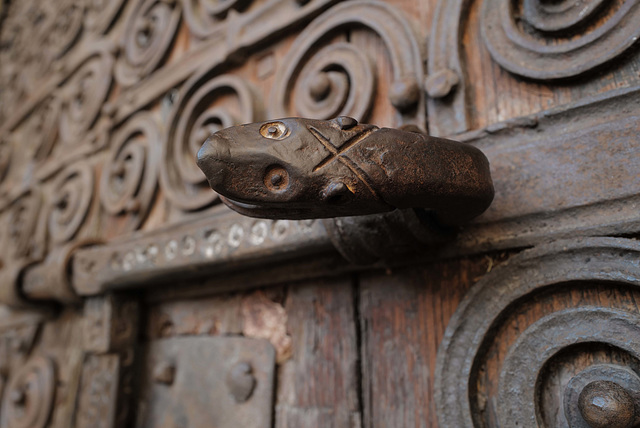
(299, 168)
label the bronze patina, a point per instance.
(298, 168)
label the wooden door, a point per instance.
(132, 297)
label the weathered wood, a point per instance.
(403, 315)
(319, 385)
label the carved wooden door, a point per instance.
(132, 297)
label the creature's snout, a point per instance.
(211, 161)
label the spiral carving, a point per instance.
(100, 14)
(29, 398)
(23, 221)
(84, 95)
(71, 200)
(539, 324)
(6, 151)
(62, 27)
(203, 15)
(42, 128)
(129, 177)
(148, 37)
(558, 39)
(325, 90)
(340, 79)
(13, 88)
(205, 106)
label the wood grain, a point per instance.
(318, 386)
(403, 317)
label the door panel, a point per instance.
(115, 252)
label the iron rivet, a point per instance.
(605, 404)
(164, 372)
(241, 382)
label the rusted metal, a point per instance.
(301, 168)
(217, 381)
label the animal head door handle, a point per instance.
(299, 168)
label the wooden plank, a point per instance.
(403, 316)
(318, 386)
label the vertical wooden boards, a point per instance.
(403, 316)
(318, 386)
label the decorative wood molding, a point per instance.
(548, 42)
(533, 39)
(542, 335)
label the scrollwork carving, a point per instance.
(129, 177)
(325, 89)
(148, 37)
(23, 218)
(204, 106)
(30, 395)
(13, 88)
(41, 130)
(560, 39)
(340, 79)
(508, 329)
(83, 96)
(71, 200)
(100, 14)
(6, 150)
(63, 24)
(203, 15)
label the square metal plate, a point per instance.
(203, 382)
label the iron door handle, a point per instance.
(299, 168)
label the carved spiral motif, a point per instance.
(511, 328)
(100, 14)
(71, 200)
(203, 15)
(5, 158)
(558, 15)
(42, 128)
(129, 177)
(325, 90)
(84, 95)
(203, 108)
(340, 79)
(23, 221)
(29, 398)
(13, 89)
(62, 27)
(558, 39)
(148, 37)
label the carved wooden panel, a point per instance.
(107, 223)
(534, 333)
(490, 61)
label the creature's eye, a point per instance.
(276, 178)
(274, 131)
